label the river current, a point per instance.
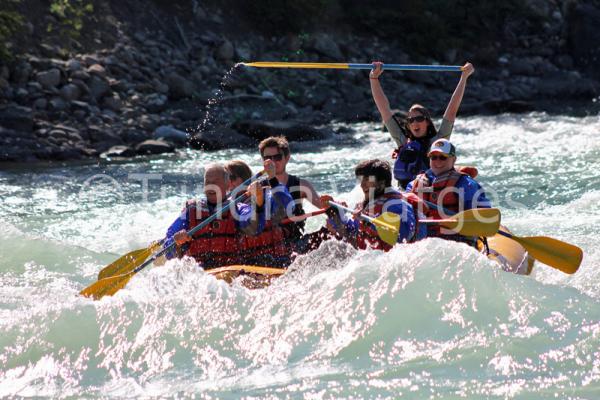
(427, 320)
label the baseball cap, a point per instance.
(442, 146)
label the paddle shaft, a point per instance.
(365, 217)
(298, 218)
(394, 67)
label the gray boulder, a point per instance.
(49, 79)
(169, 133)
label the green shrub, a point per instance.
(71, 15)
(10, 23)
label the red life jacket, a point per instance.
(367, 234)
(218, 243)
(441, 193)
(270, 242)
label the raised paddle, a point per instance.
(133, 259)
(553, 252)
(112, 284)
(396, 67)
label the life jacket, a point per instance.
(218, 243)
(294, 231)
(442, 193)
(367, 234)
(268, 248)
(411, 160)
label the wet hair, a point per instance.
(275, 141)
(431, 131)
(238, 169)
(377, 168)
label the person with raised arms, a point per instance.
(379, 198)
(245, 234)
(447, 190)
(414, 135)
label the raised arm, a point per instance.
(381, 101)
(311, 194)
(457, 96)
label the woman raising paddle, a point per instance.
(415, 134)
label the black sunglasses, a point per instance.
(441, 158)
(276, 157)
(418, 118)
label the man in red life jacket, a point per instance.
(448, 189)
(375, 181)
(245, 234)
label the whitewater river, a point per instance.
(429, 320)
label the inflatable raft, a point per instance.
(506, 252)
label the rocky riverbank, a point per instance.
(153, 91)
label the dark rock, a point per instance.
(40, 103)
(225, 52)
(179, 87)
(220, 138)
(154, 147)
(49, 79)
(294, 131)
(583, 20)
(118, 151)
(57, 104)
(70, 92)
(16, 117)
(156, 103)
(113, 102)
(98, 87)
(327, 47)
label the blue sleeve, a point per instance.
(181, 223)
(474, 195)
(408, 221)
(244, 220)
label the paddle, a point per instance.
(396, 67)
(131, 260)
(555, 253)
(476, 222)
(112, 284)
(302, 217)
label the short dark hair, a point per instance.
(275, 141)
(380, 169)
(239, 169)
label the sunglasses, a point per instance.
(418, 118)
(276, 157)
(441, 158)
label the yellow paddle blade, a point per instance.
(268, 64)
(388, 227)
(107, 286)
(475, 222)
(553, 252)
(128, 262)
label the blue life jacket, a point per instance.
(411, 160)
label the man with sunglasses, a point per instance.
(277, 148)
(450, 190)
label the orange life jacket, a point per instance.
(218, 243)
